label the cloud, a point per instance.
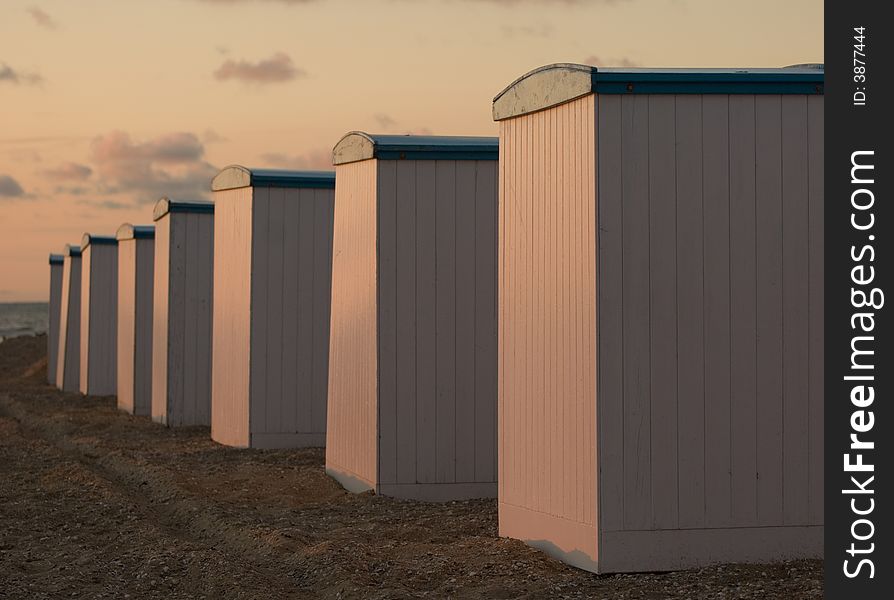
(42, 18)
(10, 75)
(212, 137)
(69, 172)
(610, 62)
(276, 69)
(73, 190)
(385, 121)
(315, 159)
(10, 188)
(171, 164)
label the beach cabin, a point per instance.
(57, 262)
(412, 376)
(99, 315)
(136, 260)
(68, 359)
(181, 312)
(661, 315)
(273, 251)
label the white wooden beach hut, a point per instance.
(661, 315)
(57, 262)
(412, 376)
(68, 359)
(136, 260)
(99, 315)
(182, 309)
(273, 254)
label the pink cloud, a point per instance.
(69, 172)
(42, 18)
(170, 164)
(276, 69)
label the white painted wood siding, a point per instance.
(135, 298)
(99, 320)
(351, 448)
(710, 310)
(547, 324)
(181, 366)
(413, 371)
(290, 299)
(69, 356)
(232, 317)
(53, 321)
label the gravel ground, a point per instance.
(98, 504)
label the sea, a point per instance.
(23, 318)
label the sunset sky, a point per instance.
(107, 105)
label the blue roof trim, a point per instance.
(56, 259)
(556, 84)
(358, 145)
(95, 240)
(709, 81)
(237, 176)
(166, 205)
(135, 232)
(73, 250)
(293, 179)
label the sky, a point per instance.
(108, 105)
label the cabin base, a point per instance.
(568, 541)
(438, 492)
(271, 441)
(350, 481)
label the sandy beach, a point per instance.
(95, 503)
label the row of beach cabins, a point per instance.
(609, 318)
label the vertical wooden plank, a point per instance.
(188, 401)
(64, 320)
(662, 244)
(86, 276)
(716, 184)
(126, 322)
(206, 309)
(816, 306)
(54, 315)
(743, 311)
(386, 220)
(690, 313)
(273, 367)
(635, 317)
(533, 160)
(466, 322)
(610, 310)
(323, 222)
(503, 350)
(445, 274)
(292, 394)
(178, 316)
(260, 262)
(426, 298)
(795, 319)
(556, 449)
(405, 301)
(768, 174)
(484, 223)
(160, 319)
(144, 311)
(305, 309)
